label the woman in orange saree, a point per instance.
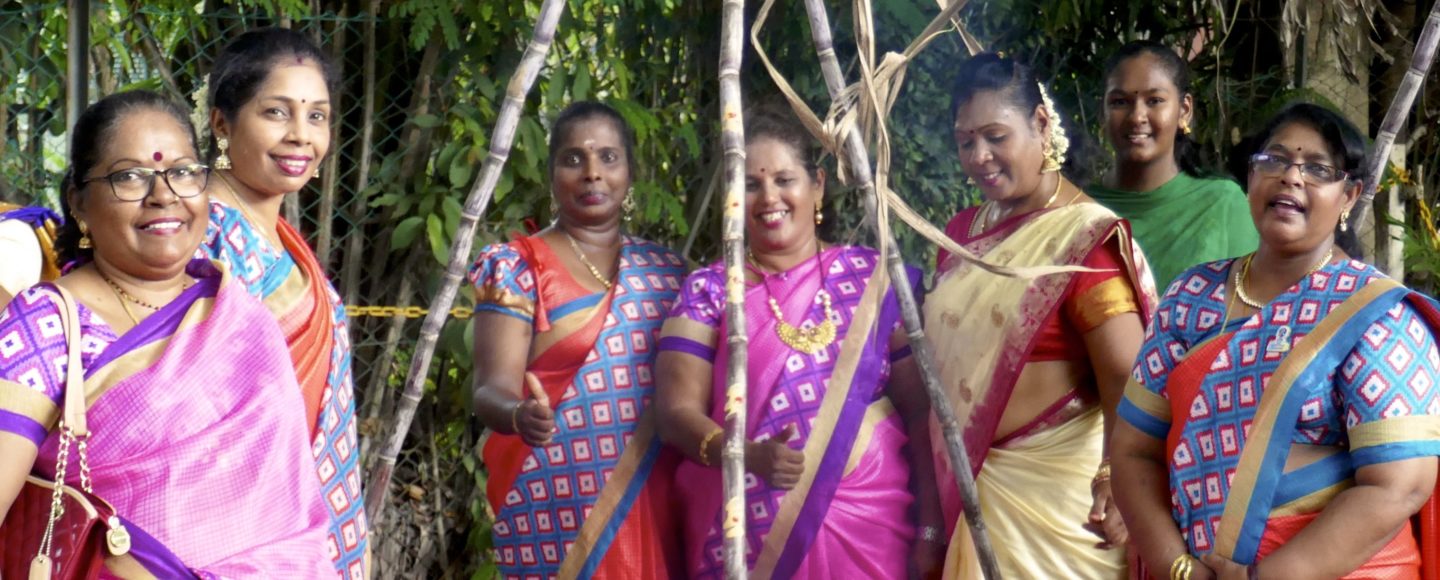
(566, 330)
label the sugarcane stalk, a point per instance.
(475, 204)
(356, 247)
(732, 138)
(859, 165)
(1399, 110)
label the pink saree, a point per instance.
(848, 517)
(196, 441)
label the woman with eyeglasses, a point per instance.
(191, 395)
(1282, 419)
(270, 115)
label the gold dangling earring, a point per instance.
(85, 243)
(1184, 126)
(819, 215)
(628, 206)
(554, 209)
(222, 161)
(1051, 164)
(1345, 220)
(317, 170)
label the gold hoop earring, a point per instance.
(1345, 220)
(85, 243)
(222, 161)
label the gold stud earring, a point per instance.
(85, 243)
(223, 160)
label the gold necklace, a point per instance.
(127, 298)
(249, 213)
(807, 340)
(1244, 274)
(989, 213)
(586, 261)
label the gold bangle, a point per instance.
(1182, 567)
(1102, 475)
(705, 446)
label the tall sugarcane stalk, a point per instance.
(475, 204)
(732, 138)
(859, 165)
(1400, 107)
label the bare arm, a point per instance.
(1357, 523)
(1112, 348)
(502, 345)
(1142, 489)
(17, 458)
(682, 396)
(907, 391)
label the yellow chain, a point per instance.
(354, 311)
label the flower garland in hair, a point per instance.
(1059, 143)
(200, 113)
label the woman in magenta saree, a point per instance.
(578, 480)
(828, 492)
(190, 393)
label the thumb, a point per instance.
(532, 383)
(786, 435)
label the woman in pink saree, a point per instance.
(191, 395)
(834, 393)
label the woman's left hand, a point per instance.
(1225, 568)
(1105, 520)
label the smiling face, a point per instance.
(591, 175)
(1000, 146)
(153, 238)
(1292, 214)
(1144, 109)
(279, 137)
(780, 197)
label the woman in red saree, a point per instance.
(1034, 366)
(566, 327)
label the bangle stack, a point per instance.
(1182, 567)
(705, 446)
(1102, 475)
(515, 417)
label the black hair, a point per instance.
(1347, 146)
(1186, 150)
(770, 122)
(1016, 81)
(88, 139)
(245, 63)
(583, 111)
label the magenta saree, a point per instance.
(848, 517)
(196, 439)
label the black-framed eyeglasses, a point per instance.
(136, 183)
(1312, 173)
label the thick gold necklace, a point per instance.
(1244, 274)
(586, 261)
(807, 340)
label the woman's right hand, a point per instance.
(534, 419)
(775, 462)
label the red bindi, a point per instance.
(157, 156)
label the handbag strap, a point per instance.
(74, 414)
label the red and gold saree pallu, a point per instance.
(1345, 358)
(595, 502)
(194, 436)
(985, 328)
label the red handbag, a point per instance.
(54, 530)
